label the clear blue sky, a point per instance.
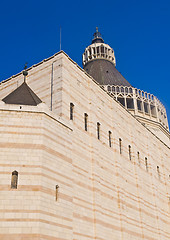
(138, 31)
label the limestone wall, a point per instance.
(44, 79)
(129, 202)
(38, 147)
(102, 194)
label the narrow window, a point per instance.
(98, 130)
(139, 104)
(56, 193)
(146, 164)
(130, 153)
(71, 111)
(130, 103)
(85, 121)
(158, 172)
(110, 138)
(138, 158)
(121, 100)
(120, 145)
(14, 180)
(146, 107)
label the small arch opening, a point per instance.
(130, 90)
(113, 89)
(109, 88)
(122, 89)
(117, 89)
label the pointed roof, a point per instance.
(23, 95)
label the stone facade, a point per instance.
(103, 193)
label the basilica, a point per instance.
(83, 154)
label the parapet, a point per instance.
(140, 103)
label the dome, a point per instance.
(105, 73)
(99, 61)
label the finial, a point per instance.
(25, 73)
(97, 37)
(25, 66)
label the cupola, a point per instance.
(99, 62)
(98, 50)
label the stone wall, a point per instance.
(103, 194)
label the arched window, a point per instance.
(113, 88)
(130, 90)
(14, 180)
(117, 89)
(109, 88)
(126, 90)
(122, 89)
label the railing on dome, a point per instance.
(139, 102)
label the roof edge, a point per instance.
(35, 65)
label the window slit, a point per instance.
(85, 121)
(56, 193)
(71, 111)
(138, 158)
(98, 130)
(120, 145)
(130, 153)
(14, 180)
(158, 172)
(110, 139)
(146, 164)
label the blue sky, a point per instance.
(138, 31)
